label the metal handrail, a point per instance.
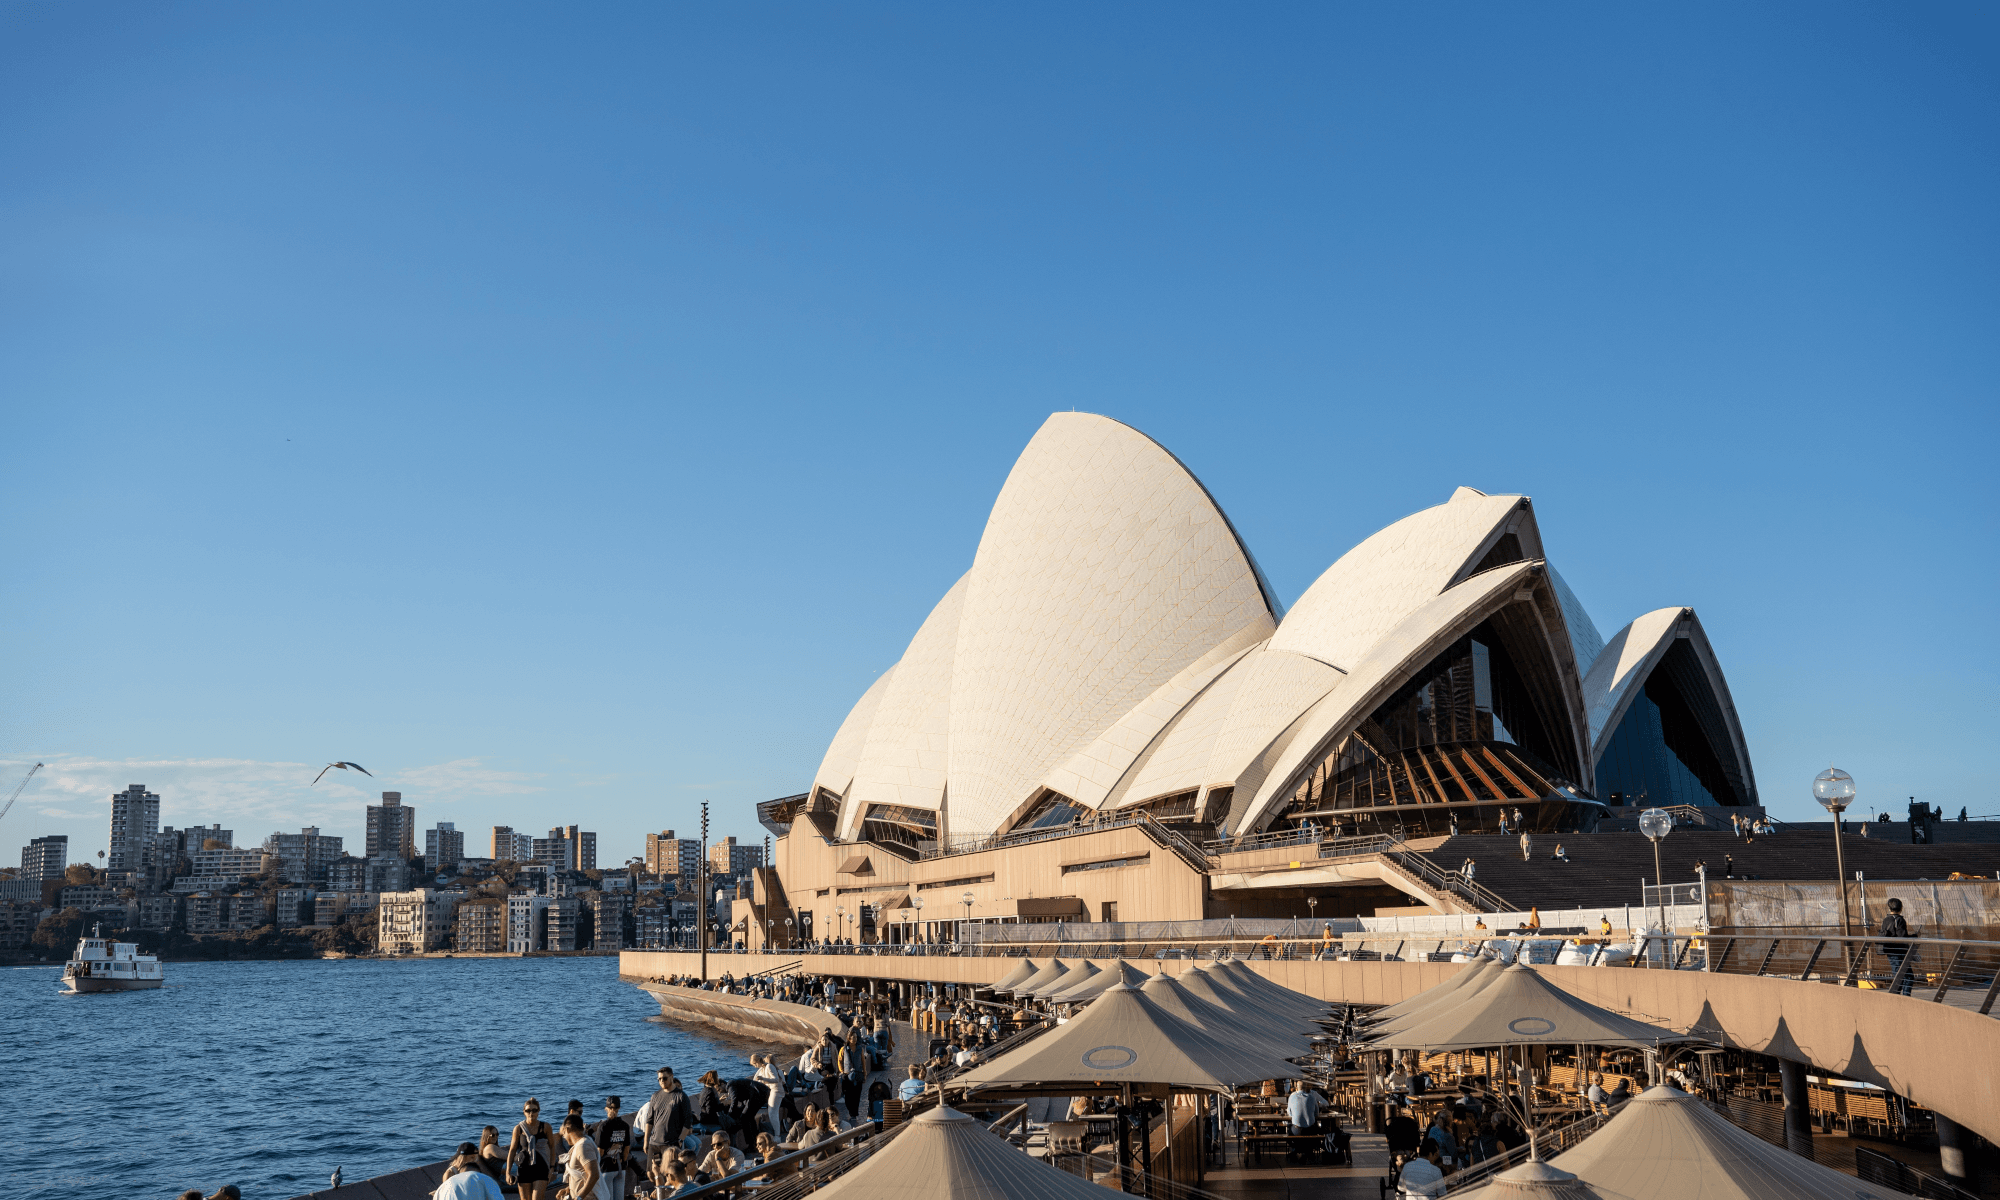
(1966, 972)
(867, 1135)
(1431, 872)
(1549, 1140)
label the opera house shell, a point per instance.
(1115, 646)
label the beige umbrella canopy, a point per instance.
(1069, 979)
(1017, 976)
(1540, 1181)
(1278, 995)
(1124, 1037)
(1470, 977)
(1520, 1008)
(1056, 969)
(1664, 1144)
(1119, 972)
(1437, 1000)
(1171, 994)
(944, 1153)
(1206, 986)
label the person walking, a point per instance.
(853, 1066)
(1471, 869)
(613, 1136)
(531, 1152)
(1894, 926)
(583, 1172)
(1527, 846)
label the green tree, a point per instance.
(78, 875)
(61, 930)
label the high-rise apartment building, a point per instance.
(135, 813)
(610, 913)
(509, 846)
(160, 859)
(526, 923)
(195, 837)
(414, 921)
(306, 855)
(727, 858)
(583, 847)
(443, 847)
(45, 857)
(669, 855)
(392, 827)
(482, 925)
(554, 850)
(232, 865)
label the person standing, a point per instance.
(774, 1093)
(853, 1066)
(667, 1114)
(582, 1170)
(531, 1152)
(1527, 846)
(613, 1136)
(1894, 926)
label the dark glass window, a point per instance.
(1052, 810)
(1660, 753)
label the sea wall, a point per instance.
(771, 1020)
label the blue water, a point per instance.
(268, 1075)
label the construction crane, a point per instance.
(18, 789)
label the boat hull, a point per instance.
(84, 986)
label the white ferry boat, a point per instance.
(101, 966)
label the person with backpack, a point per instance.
(1894, 926)
(531, 1152)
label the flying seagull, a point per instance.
(345, 766)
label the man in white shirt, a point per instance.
(1424, 1175)
(463, 1180)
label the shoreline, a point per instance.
(335, 956)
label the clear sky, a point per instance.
(565, 412)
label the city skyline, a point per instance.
(591, 446)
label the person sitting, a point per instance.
(1596, 1094)
(1561, 855)
(1398, 1081)
(491, 1160)
(1302, 1107)
(1622, 1092)
(723, 1160)
(804, 1125)
(1440, 1134)
(1424, 1174)
(912, 1087)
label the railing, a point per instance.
(1965, 974)
(1676, 893)
(1001, 841)
(1455, 882)
(1006, 1045)
(1297, 836)
(796, 1174)
(1551, 1139)
(1877, 1168)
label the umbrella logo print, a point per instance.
(1532, 1026)
(1109, 1058)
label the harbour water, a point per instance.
(268, 1075)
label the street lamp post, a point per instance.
(1834, 789)
(921, 935)
(1656, 824)
(839, 923)
(966, 900)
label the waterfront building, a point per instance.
(509, 846)
(22, 889)
(18, 919)
(1114, 663)
(392, 827)
(247, 911)
(306, 855)
(205, 912)
(135, 812)
(482, 925)
(386, 873)
(86, 895)
(45, 857)
(295, 907)
(160, 912)
(527, 924)
(347, 874)
(444, 846)
(610, 919)
(669, 855)
(414, 921)
(233, 864)
(560, 916)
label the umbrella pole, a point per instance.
(1528, 1107)
(1125, 1138)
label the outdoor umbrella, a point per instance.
(1470, 976)
(1056, 969)
(1254, 984)
(1119, 972)
(1017, 976)
(1537, 1179)
(1169, 993)
(1665, 1144)
(1277, 1001)
(1214, 991)
(1438, 1001)
(1520, 1008)
(1075, 975)
(944, 1153)
(1124, 1037)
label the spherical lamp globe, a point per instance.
(1834, 789)
(1656, 823)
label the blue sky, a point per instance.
(566, 412)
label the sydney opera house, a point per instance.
(1114, 660)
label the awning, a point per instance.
(1521, 1008)
(856, 864)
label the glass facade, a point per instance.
(1661, 753)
